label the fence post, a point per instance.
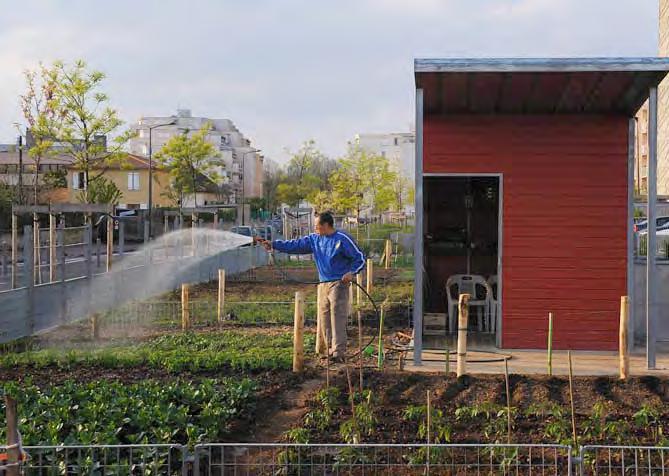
(185, 307)
(13, 439)
(15, 248)
(37, 255)
(358, 291)
(549, 346)
(370, 275)
(60, 234)
(110, 241)
(221, 295)
(298, 333)
(624, 356)
(97, 252)
(389, 252)
(463, 322)
(52, 247)
(320, 330)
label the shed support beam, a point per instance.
(651, 308)
(418, 242)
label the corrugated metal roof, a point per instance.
(537, 86)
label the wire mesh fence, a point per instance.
(307, 460)
(133, 460)
(623, 460)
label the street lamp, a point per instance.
(151, 128)
(252, 151)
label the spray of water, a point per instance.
(182, 256)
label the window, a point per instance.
(133, 180)
(79, 180)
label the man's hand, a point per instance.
(347, 278)
(267, 244)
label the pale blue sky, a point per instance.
(289, 70)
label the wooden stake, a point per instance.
(389, 253)
(550, 344)
(463, 322)
(624, 356)
(185, 307)
(110, 241)
(571, 400)
(380, 349)
(15, 249)
(370, 275)
(13, 438)
(320, 325)
(298, 333)
(53, 260)
(221, 295)
(360, 356)
(508, 401)
(358, 279)
(95, 327)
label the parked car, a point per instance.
(660, 223)
(266, 232)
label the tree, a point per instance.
(83, 120)
(401, 188)
(188, 159)
(103, 190)
(39, 111)
(307, 173)
(271, 181)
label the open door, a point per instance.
(461, 249)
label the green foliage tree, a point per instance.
(188, 159)
(271, 181)
(103, 190)
(40, 113)
(83, 120)
(307, 173)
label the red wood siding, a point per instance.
(564, 218)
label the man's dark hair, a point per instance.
(326, 217)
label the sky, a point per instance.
(290, 70)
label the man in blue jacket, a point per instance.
(338, 259)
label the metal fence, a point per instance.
(623, 460)
(219, 459)
(307, 460)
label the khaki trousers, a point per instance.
(333, 314)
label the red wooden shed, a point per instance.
(524, 187)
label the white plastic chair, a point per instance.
(470, 284)
(493, 313)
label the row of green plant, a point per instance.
(486, 422)
(189, 351)
(112, 412)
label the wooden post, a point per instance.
(463, 322)
(53, 260)
(389, 253)
(298, 333)
(380, 349)
(571, 399)
(95, 327)
(549, 346)
(13, 438)
(624, 356)
(185, 307)
(508, 401)
(15, 249)
(358, 290)
(370, 275)
(110, 241)
(221, 295)
(320, 326)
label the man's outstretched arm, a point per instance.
(299, 246)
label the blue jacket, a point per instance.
(335, 254)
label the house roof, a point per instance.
(537, 86)
(12, 158)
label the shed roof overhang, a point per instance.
(537, 86)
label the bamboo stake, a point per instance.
(370, 275)
(550, 343)
(463, 322)
(571, 400)
(380, 349)
(15, 248)
(52, 247)
(298, 333)
(389, 253)
(221, 295)
(508, 401)
(360, 356)
(13, 438)
(95, 327)
(185, 307)
(358, 289)
(321, 335)
(624, 356)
